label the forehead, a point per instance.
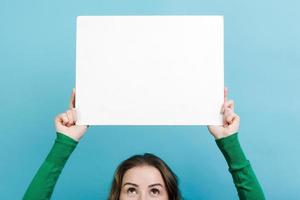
(143, 175)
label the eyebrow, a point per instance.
(152, 185)
(128, 183)
(156, 184)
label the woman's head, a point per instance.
(144, 177)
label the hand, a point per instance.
(231, 121)
(65, 122)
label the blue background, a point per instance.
(37, 60)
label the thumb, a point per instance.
(72, 99)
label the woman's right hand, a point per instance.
(231, 121)
(65, 122)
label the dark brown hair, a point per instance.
(169, 177)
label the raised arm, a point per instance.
(67, 137)
(226, 137)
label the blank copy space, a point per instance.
(149, 70)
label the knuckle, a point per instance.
(64, 115)
(65, 118)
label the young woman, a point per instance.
(142, 177)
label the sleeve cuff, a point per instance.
(63, 139)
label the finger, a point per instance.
(225, 99)
(229, 104)
(229, 118)
(72, 99)
(63, 118)
(236, 119)
(74, 115)
(70, 117)
(225, 94)
(227, 111)
(225, 123)
(58, 119)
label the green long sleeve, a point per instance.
(244, 178)
(43, 183)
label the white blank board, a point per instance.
(149, 70)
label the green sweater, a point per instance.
(43, 183)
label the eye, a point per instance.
(131, 190)
(155, 191)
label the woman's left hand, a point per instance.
(231, 121)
